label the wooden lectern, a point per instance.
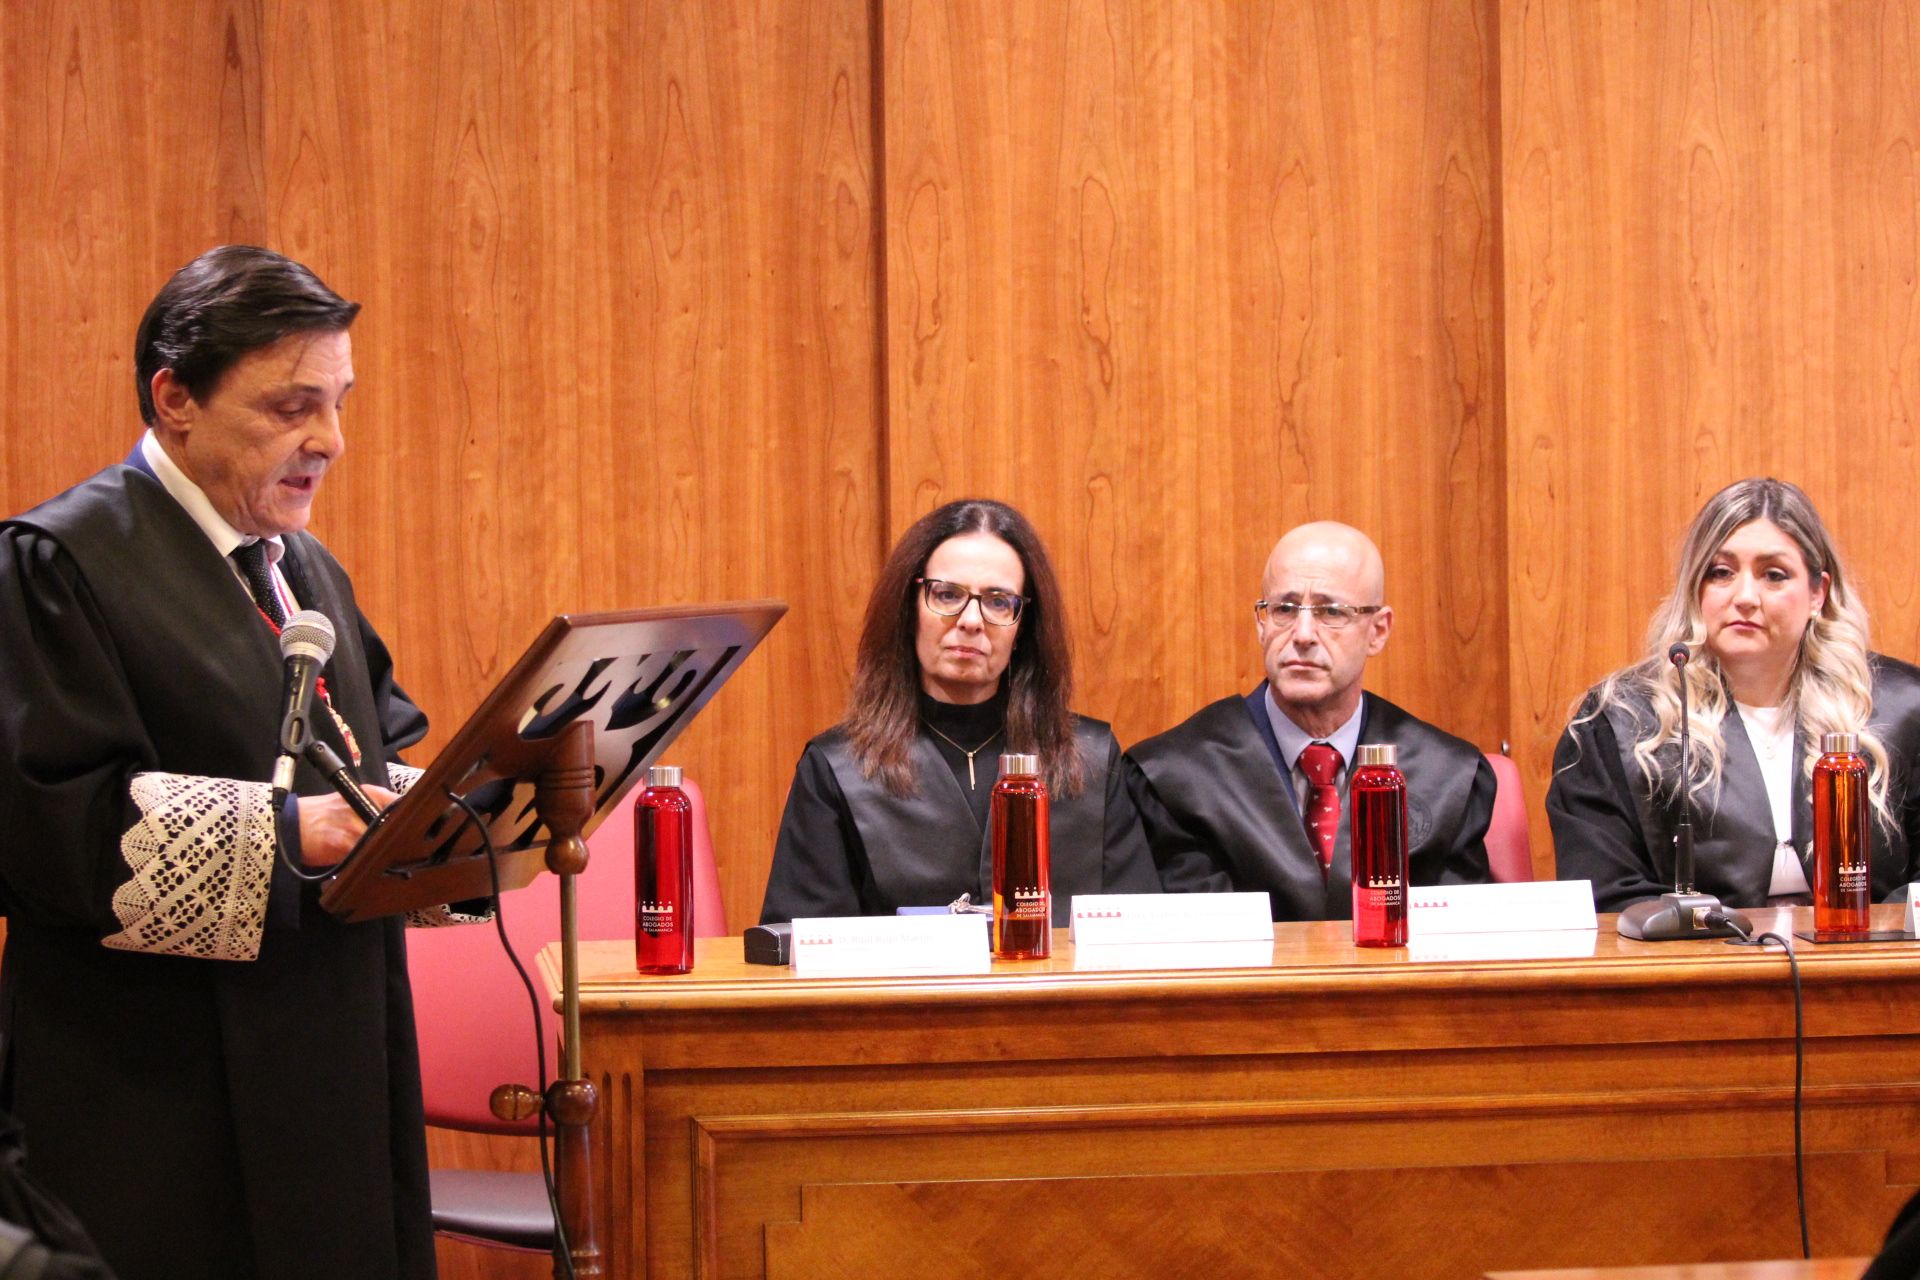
(550, 753)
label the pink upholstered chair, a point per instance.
(1509, 852)
(476, 1029)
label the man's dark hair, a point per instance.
(223, 304)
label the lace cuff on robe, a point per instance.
(402, 777)
(201, 858)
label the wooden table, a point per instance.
(1342, 1113)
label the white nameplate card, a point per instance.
(881, 946)
(1106, 919)
(1913, 918)
(1525, 907)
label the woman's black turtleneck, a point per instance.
(970, 726)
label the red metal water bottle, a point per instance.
(663, 874)
(1377, 796)
(1022, 881)
(1842, 852)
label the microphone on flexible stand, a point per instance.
(306, 642)
(334, 770)
(1683, 913)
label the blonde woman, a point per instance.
(1779, 658)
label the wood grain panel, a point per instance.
(742, 337)
(679, 301)
(1709, 249)
(1286, 1224)
(1324, 1079)
(619, 344)
(1169, 278)
(116, 174)
(1175, 278)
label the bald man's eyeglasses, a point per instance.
(1334, 617)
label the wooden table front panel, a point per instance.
(1341, 1114)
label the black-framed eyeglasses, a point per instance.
(950, 600)
(1334, 617)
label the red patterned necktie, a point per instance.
(1321, 764)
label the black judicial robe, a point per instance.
(1219, 810)
(203, 1118)
(849, 847)
(1609, 828)
(1899, 1257)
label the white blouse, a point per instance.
(1771, 733)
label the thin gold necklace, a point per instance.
(963, 751)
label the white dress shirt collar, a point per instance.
(1293, 739)
(196, 504)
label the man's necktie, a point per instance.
(1321, 764)
(252, 559)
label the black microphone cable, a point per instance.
(1747, 939)
(280, 850)
(323, 758)
(561, 1245)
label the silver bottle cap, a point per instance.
(1378, 753)
(1019, 762)
(664, 775)
(1847, 742)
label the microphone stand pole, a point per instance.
(563, 797)
(1684, 913)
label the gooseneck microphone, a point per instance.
(1683, 913)
(1677, 654)
(331, 767)
(306, 642)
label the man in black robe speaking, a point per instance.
(218, 1077)
(1249, 793)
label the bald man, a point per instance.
(1250, 792)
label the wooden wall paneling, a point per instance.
(1106, 346)
(1697, 291)
(743, 348)
(618, 342)
(1865, 108)
(1227, 269)
(618, 345)
(816, 293)
(118, 172)
(1449, 392)
(1555, 264)
(1041, 285)
(1348, 151)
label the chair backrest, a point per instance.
(1509, 852)
(474, 1022)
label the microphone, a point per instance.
(334, 769)
(1678, 653)
(1682, 913)
(306, 642)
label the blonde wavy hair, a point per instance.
(1830, 689)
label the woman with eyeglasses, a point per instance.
(1777, 655)
(964, 656)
